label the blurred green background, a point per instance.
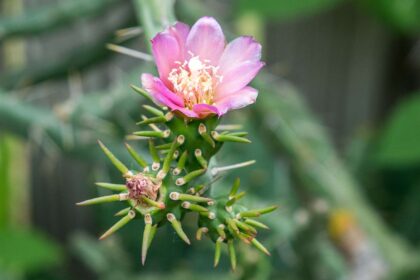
(335, 131)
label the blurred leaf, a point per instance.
(4, 180)
(105, 258)
(27, 251)
(285, 9)
(400, 141)
(401, 14)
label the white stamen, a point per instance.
(195, 81)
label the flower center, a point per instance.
(141, 185)
(195, 81)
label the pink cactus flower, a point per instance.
(199, 75)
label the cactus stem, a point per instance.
(200, 232)
(154, 127)
(153, 110)
(260, 247)
(257, 212)
(169, 116)
(131, 214)
(155, 156)
(179, 140)
(194, 190)
(155, 166)
(248, 214)
(146, 120)
(161, 175)
(245, 227)
(152, 235)
(268, 209)
(153, 151)
(123, 212)
(229, 127)
(256, 224)
(190, 176)
(136, 156)
(176, 154)
(174, 196)
(228, 138)
(133, 137)
(142, 92)
(146, 237)
(232, 225)
(104, 199)
(235, 187)
(116, 162)
(152, 133)
(194, 207)
(209, 215)
(199, 156)
(177, 227)
(235, 198)
(232, 254)
(238, 134)
(112, 187)
(246, 238)
(164, 146)
(151, 125)
(150, 202)
(188, 197)
(216, 170)
(202, 130)
(217, 251)
(221, 231)
(181, 163)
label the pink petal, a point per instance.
(187, 112)
(238, 51)
(166, 51)
(238, 77)
(160, 92)
(204, 110)
(206, 39)
(237, 100)
(180, 32)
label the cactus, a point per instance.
(184, 135)
(165, 189)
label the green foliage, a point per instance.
(4, 180)
(285, 9)
(51, 16)
(27, 251)
(403, 15)
(400, 142)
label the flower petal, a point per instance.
(237, 100)
(238, 51)
(166, 51)
(180, 32)
(238, 77)
(203, 110)
(160, 92)
(206, 39)
(187, 112)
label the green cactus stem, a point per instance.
(164, 190)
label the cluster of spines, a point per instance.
(218, 217)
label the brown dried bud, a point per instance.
(141, 185)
